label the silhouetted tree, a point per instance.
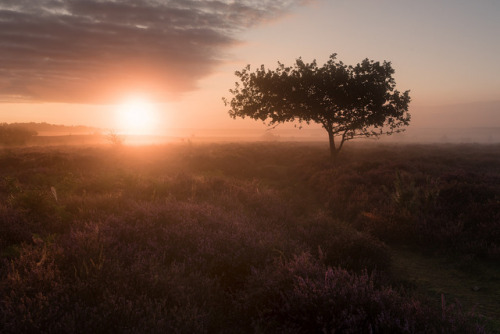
(348, 101)
(114, 138)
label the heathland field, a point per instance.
(250, 238)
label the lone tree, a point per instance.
(348, 101)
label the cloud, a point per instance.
(93, 51)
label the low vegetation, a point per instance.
(253, 237)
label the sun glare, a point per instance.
(137, 116)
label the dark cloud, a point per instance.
(93, 51)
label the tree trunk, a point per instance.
(333, 150)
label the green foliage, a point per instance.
(348, 101)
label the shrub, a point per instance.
(14, 227)
(303, 296)
(338, 244)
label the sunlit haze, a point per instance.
(98, 52)
(249, 166)
(136, 115)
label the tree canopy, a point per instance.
(348, 101)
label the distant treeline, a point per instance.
(46, 127)
(22, 133)
(15, 134)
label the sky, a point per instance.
(77, 62)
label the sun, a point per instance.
(137, 116)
